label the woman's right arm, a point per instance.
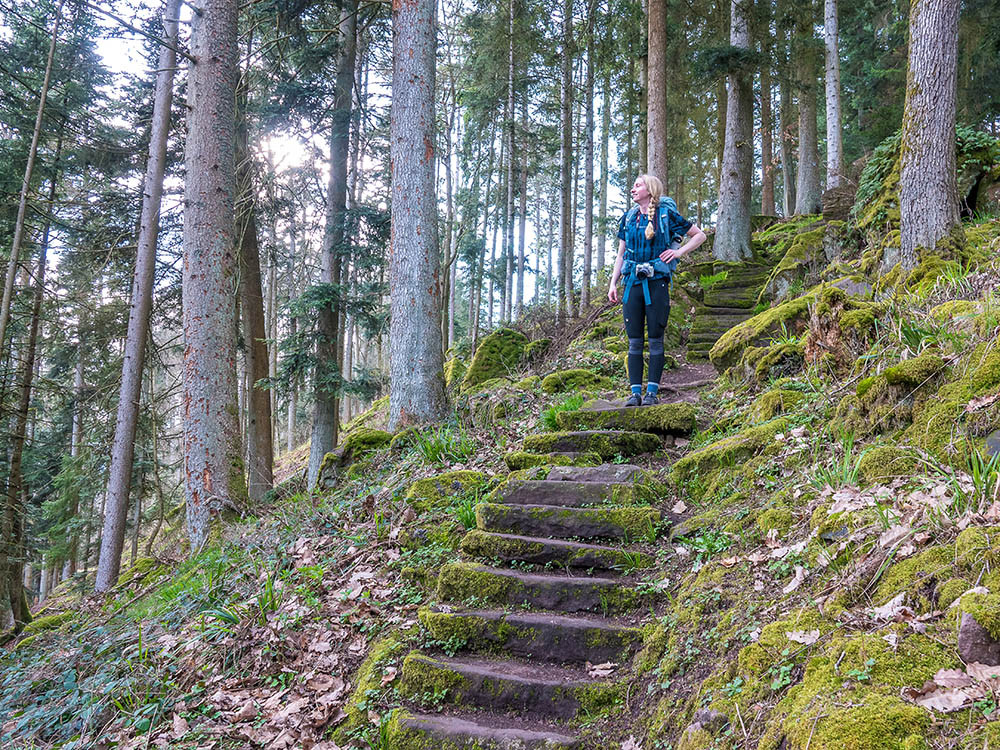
(617, 273)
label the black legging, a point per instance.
(655, 318)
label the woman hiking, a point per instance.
(650, 244)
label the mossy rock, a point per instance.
(575, 380)
(985, 609)
(139, 571)
(368, 680)
(804, 257)
(790, 315)
(498, 355)
(775, 402)
(918, 577)
(884, 462)
(454, 370)
(606, 444)
(775, 518)
(536, 349)
(437, 492)
(363, 441)
(728, 451)
(979, 544)
(663, 419)
(520, 460)
(949, 591)
(47, 622)
(916, 371)
(615, 344)
(529, 383)
(763, 364)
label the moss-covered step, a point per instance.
(535, 635)
(605, 443)
(606, 473)
(539, 551)
(546, 691)
(663, 419)
(519, 460)
(619, 522)
(471, 583)
(569, 494)
(412, 731)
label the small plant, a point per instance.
(707, 281)
(444, 445)
(464, 509)
(780, 674)
(842, 472)
(733, 688)
(864, 674)
(570, 403)
(707, 543)
(631, 561)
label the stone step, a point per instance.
(714, 321)
(539, 551)
(607, 473)
(413, 731)
(620, 522)
(662, 419)
(546, 691)
(740, 281)
(704, 338)
(744, 301)
(703, 310)
(519, 460)
(569, 494)
(543, 636)
(471, 582)
(606, 443)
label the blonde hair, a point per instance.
(655, 188)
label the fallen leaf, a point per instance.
(679, 507)
(982, 672)
(981, 403)
(758, 557)
(797, 579)
(952, 678)
(892, 639)
(600, 670)
(388, 676)
(805, 637)
(179, 726)
(729, 562)
(945, 701)
(890, 609)
(631, 744)
(771, 540)
(893, 535)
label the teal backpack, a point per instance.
(661, 268)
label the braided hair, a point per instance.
(655, 188)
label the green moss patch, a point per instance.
(435, 493)
(664, 419)
(576, 380)
(885, 462)
(728, 451)
(520, 460)
(48, 622)
(775, 402)
(985, 608)
(605, 444)
(728, 350)
(916, 371)
(498, 355)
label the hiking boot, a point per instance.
(633, 400)
(649, 399)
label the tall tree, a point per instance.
(123, 448)
(807, 187)
(656, 123)
(566, 210)
(928, 194)
(416, 381)
(834, 137)
(732, 234)
(766, 114)
(326, 402)
(588, 162)
(213, 465)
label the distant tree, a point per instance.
(416, 379)
(805, 54)
(834, 138)
(928, 193)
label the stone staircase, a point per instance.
(547, 590)
(725, 305)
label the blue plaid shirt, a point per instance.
(634, 234)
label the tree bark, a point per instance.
(643, 113)
(416, 377)
(123, 447)
(656, 123)
(213, 466)
(602, 210)
(732, 234)
(326, 387)
(588, 167)
(508, 242)
(522, 213)
(928, 193)
(566, 213)
(834, 139)
(767, 206)
(807, 187)
(260, 454)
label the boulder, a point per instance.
(975, 644)
(838, 201)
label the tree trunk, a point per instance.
(76, 441)
(766, 128)
(643, 113)
(732, 234)
(566, 214)
(22, 206)
(656, 125)
(260, 454)
(123, 447)
(522, 213)
(326, 403)
(807, 187)
(588, 168)
(602, 210)
(928, 194)
(834, 140)
(416, 378)
(213, 466)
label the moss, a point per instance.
(866, 384)
(773, 403)
(368, 680)
(436, 492)
(363, 440)
(874, 722)
(482, 544)
(985, 608)
(529, 383)
(454, 370)
(728, 451)
(860, 319)
(977, 545)
(575, 380)
(427, 677)
(952, 309)
(497, 356)
(536, 349)
(606, 444)
(26, 643)
(634, 522)
(462, 581)
(139, 571)
(615, 344)
(728, 349)
(885, 462)
(917, 576)
(916, 371)
(803, 255)
(775, 518)
(520, 460)
(950, 590)
(778, 360)
(48, 622)
(665, 419)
